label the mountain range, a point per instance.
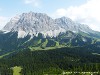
(39, 31)
(33, 23)
(35, 44)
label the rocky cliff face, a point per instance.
(69, 25)
(33, 23)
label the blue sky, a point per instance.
(13, 7)
(81, 11)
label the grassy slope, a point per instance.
(44, 43)
(46, 48)
(16, 70)
(6, 54)
(37, 42)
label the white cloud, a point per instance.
(34, 3)
(61, 12)
(3, 21)
(88, 13)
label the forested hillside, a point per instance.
(56, 61)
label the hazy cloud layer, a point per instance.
(88, 13)
(34, 3)
(3, 21)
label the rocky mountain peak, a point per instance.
(33, 23)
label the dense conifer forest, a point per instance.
(56, 61)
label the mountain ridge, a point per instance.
(38, 45)
(33, 23)
(38, 31)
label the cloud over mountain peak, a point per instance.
(88, 13)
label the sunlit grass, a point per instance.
(16, 70)
(5, 54)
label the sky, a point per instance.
(81, 11)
